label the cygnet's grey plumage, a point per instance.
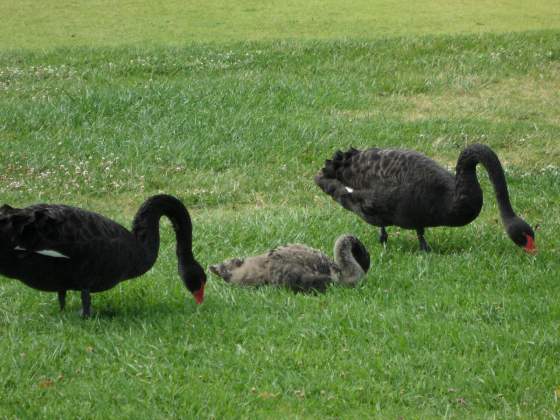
(299, 267)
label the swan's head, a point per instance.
(522, 234)
(194, 277)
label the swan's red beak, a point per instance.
(530, 247)
(199, 294)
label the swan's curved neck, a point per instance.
(350, 270)
(466, 176)
(145, 228)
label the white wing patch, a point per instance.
(52, 253)
(45, 252)
(350, 190)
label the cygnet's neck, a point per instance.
(350, 270)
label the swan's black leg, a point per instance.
(86, 303)
(423, 244)
(62, 299)
(383, 235)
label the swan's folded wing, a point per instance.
(373, 168)
(369, 203)
(58, 228)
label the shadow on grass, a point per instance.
(138, 310)
(408, 247)
(459, 244)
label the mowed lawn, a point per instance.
(237, 130)
(27, 24)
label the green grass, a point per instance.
(107, 23)
(237, 131)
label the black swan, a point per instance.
(299, 267)
(405, 188)
(56, 248)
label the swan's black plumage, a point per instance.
(56, 248)
(405, 188)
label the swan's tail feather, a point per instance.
(333, 167)
(336, 189)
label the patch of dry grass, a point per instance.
(531, 99)
(534, 97)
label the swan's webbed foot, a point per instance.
(423, 244)
(86, 303)
(62, 299)
(383, 236)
